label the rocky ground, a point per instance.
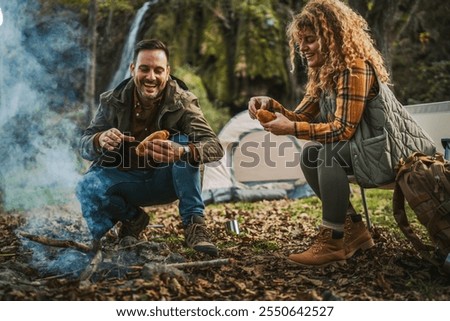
(251, 265)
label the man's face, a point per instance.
(150, 74)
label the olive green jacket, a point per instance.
(179, 113)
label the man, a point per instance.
(119, 181)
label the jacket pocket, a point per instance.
(376, 155)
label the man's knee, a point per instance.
(90, 186)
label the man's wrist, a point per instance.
(186, 153)
(98, 149)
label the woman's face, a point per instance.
(310, 49)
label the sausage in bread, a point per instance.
(160, 134)
(265, 116)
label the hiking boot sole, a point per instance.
(332, 263)
(363, 247)
(213, 251)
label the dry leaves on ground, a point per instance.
(258, 269)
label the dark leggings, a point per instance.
(326, 168)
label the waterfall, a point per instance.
(127, 53)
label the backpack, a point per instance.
(424, 181)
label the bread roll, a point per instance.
(265, 116)
(159, 134)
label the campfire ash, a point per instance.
(61, 225)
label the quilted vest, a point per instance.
(386, 133)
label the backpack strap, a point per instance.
(398, 203)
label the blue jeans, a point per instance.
(109, 195)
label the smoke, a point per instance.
(42, 65)
(42, 69)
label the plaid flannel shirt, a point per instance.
(354, 88)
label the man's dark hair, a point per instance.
(150, 44)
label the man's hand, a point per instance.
(164, 151)
(112, 138)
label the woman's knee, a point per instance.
(334, 154)
(310, 154)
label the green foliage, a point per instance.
(214, 66)
(433, 81)
(261, 42)
(170, 239)
(119, 5)
(229, 42)
(217, 117)
(104, 6)
(264, 246)
(239, 48)
(429, 81)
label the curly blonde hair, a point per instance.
(343, 37)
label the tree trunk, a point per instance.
(89, 93)
(386, 19)
(229, 27)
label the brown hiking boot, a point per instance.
(197, 236)
(132, 228)
(324, 251)
(356, 236)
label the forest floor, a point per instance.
(251, 265)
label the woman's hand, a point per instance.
(280, 126)
(258, 102)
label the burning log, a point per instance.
(57, 243)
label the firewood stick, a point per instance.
(57, 243)
(190, 264)
(216, 262)
(7, 254)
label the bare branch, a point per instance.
(200, 263)
(57, 243)
(92, 267)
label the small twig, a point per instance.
(8, 254)
(34, 283)
(156, 226)
(190, 264)
(200, 263)
(58, 276)
(92, 267)
(57, 243)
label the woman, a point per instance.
(354, 123)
